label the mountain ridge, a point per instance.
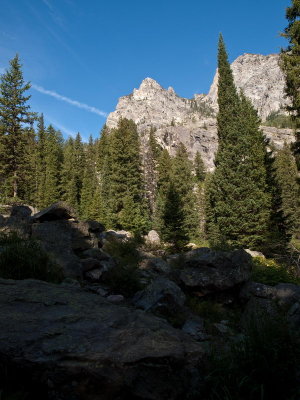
(193, 121)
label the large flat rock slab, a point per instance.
(80, 346)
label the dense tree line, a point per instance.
(250, 200)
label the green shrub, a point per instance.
(261, 365)
(280, 120)
(124, 278)
(270, 273)
(25, 259)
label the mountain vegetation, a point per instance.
(250, 200)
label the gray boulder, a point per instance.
(255, 289)
(210, 271)
(161, 296)
(56, 211)
(19, 221)
(194, 326)
(152, 237)
(156, 265)
(77, 345)
(56, 239)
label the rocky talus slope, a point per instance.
(82, 340)
(193, 121)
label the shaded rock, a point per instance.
(194, 326)
(162, 296)
(258, 290)
(82, 238)
(258, 310)
(222, 328)
(70, 282)
(21, 212)
(94, 275)
(18, 221)
(155, 264)
(56, 211)
(98, 254)
(115, 298)
(287, 294)
(56, 239)
(79, 346)
(89, 264)
(208, 271)
(95, 226)
(293, 315)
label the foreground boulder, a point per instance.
(283, 298)
(18, 221)
(208, 271)
(77, 345)
(64, 237)
(162, 296)
(56, 211)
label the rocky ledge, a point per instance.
(78, 345)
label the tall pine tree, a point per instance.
(53, 162)
(126, 185)
(286, 175)
(238, 204)
(15, 116)
(290, 62)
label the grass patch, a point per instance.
(207, 309)
(261, 365)
(25, 259)
(269, 272)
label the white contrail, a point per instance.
(59, 126)
(69, 101)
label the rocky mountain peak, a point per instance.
(193, 121)
(149, 84)
(260, 78)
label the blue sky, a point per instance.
(82, 55)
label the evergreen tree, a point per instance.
(278, 236)
(28, 182)
(150, 169)
(79, 164)
(88, 206)
(164, 177)
(68, 179)
(286, 174)
(290, 62)
(72, 171)
(53, 162)
(126, 175)
(199, 168)
(184, 183)
(237, 198)
(174, 227)
(40, 162)
(101, 199)
(15, 115)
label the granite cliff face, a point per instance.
(260, 78)
(193, 121)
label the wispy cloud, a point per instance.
(48, 4)
(2, 70)
(75, 103)
(55, 32)
(59, 126)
